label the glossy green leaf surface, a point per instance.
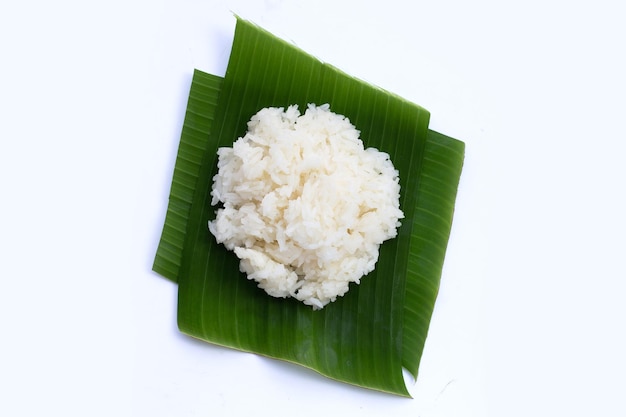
(191, 150)
(380, 326)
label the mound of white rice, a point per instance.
(304, 206)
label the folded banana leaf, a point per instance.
(379, 327)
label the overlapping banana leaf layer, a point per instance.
(380, 326)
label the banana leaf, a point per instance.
(379, 327)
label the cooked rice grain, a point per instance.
(303, 205)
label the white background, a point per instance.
(530, 316)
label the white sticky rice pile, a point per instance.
(304, 206)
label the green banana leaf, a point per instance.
(379, 327)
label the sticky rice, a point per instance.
(303, 204)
